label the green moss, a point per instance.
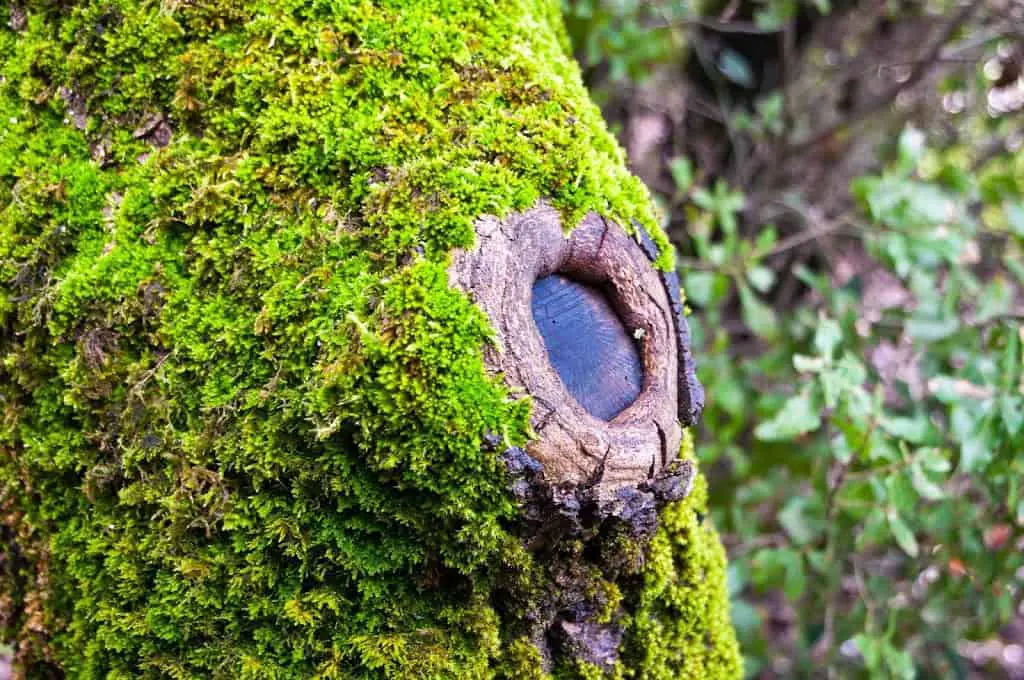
(680, 625)
(521, 661)
(241, 411)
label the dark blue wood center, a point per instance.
(595, 357)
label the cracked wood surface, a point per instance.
(574, 446)
(594, 355)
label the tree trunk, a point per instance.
(334, 344)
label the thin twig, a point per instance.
(952, 54)
(819, 227)
(994, 147)
(722, 95)
(721, 25)
(922, 65)
(823, 228)
(787, 44)
(742, 27)
(986, 321)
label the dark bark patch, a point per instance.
(18, 19)
(691, 392)
(593, 643)
(155, 129)
(75, 102)
(587, 547)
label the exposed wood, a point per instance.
(588, 346)
(574, 446)
(691, 392)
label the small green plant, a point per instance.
(883, 502)
(862, 426)
(626, 35)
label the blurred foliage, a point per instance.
(862, 441)
(625, 36)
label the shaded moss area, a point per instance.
(679, 625)
(241, 411)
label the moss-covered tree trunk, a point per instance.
(254, 419)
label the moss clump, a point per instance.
(242, 411)
(680, 623)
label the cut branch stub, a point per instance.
(620, 438)
(592, 352)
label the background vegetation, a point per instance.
(845, 183)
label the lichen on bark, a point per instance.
(246, 428)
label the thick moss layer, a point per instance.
(241, 412)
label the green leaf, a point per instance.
(875, 531)
(766, 238)
(727, 204)
(796, 578)
(700, 287)
(770, 109)
(934, 460)
(761, 278)
(901, 532)
(1012, 357)
(923, 485)
(1011, 410)
(878, 487)
(975, 454)
(995, 299)
(798, 416)
(717, 253)
(870, 648)
(1015, 217)
(860, 407)
(735, 579)
(806, 364)
(930, 330)
(730, 396)
(846, 379)
(977, 448)
(1011, 263)
(853, 371)
(911, 146)
(914, 430)
(827, 337)
(682, 173)
(901, 492)
(818, 559)
(775, 14)
(798, 518)
(745, 617)
(900, 663)
(757, 315)
(781, 564)
(879, 447)
(735, 67)
(841, 450)
(702, 199)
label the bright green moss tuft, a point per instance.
(241, 411)
(521, 661)
(680, 625)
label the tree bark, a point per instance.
(275, 402)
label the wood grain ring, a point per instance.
(573, 446)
